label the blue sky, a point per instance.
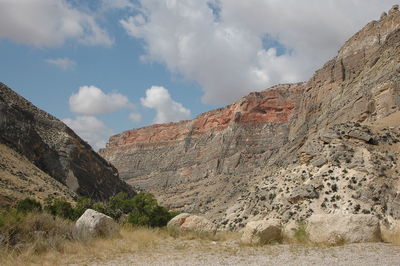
(107, 66)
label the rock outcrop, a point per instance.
(55, 149)
(93, 223)
(325, 146)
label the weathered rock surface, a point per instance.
(190, 222)
(262, 232)
(55, 149)
(390, 230)
(19, 179)
(328, 145)
(333, 229)
(95, 223)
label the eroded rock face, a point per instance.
(287, 152)
(54, 148)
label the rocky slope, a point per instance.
(19, 178)
(54, 149)
(289, 151)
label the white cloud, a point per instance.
(48, 23)
(219, 43)
(90, 129)
(167, 110)
(63, 63)
(90, 100)
(135, 117)
(116, 4)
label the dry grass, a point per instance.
(131, 240)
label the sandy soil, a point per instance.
(231, 253)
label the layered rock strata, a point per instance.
(286, 152)
(55, 149)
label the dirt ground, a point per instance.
(194, 252)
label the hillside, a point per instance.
(51, 152)
(327, 145)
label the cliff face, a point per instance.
(276, 151)
(236, 138)
(55, 149)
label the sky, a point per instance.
(106, 66)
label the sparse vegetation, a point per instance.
(31, 227)
(300, 233)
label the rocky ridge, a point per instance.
(55, 149)
(328, 145)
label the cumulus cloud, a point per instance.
(63, 63)
(91, 129)
(135, 117)
(90, 100)
(231, 47)
(167, 110)
(49, 23)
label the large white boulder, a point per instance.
(95, 223)
(262, 232)
(190, 222)
(333, 229)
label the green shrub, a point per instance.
(119, 204)
(61, 208)
(82, 204)
(28, 205)
(147, 212)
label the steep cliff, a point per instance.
(55, 149)
(278, 152)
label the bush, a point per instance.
(82, 204)
(119, 204)
(61, 208)
(28, 205)
(148, 212)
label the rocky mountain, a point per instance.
(54, 150)
(329, 145)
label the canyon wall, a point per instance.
(275, 150)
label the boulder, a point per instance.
(178, 220)
(262, 232)
(190, 222)
(334, 229)
(390, 230)
(95, 223)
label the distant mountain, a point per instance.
(55, 151)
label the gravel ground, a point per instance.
(231, 253)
